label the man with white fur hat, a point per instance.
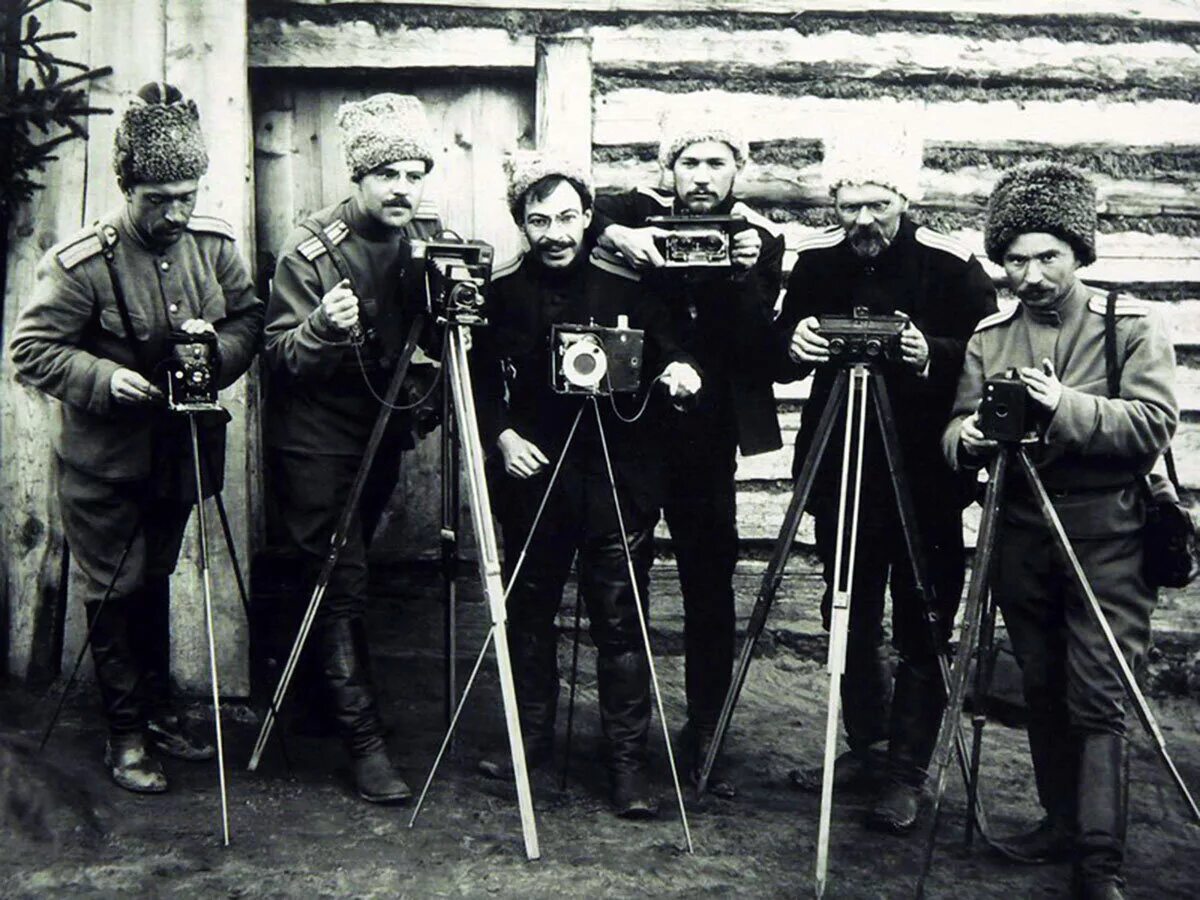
(878, 258)
(724, 318)
(336, 321)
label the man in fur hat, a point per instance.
(879, 259)
(724, 319)
(528, 423)
(95, 335)
(336, 323)
(1091, 453)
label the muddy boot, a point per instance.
(855, 771)
(352, 696)
(916, 715)
(132, 767)
(1102, 801)
(623, 680)
(171, 734)
(695, 741)
(535, 674)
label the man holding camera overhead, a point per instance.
(724, 318)
(530, 392)
(336, 325)
(1091, 450)
(878, 259)
(109, 303)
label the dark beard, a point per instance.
(867, 242)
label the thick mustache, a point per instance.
(557, 245)
(397, 204)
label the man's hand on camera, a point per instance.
(197, 326)
(681, 381)
(1043, 385)
(341, 305)
(744, 249)
(972, 440)
(635, 244)
(807, 344)
(522, 458)
(914, 349)
(131, 389)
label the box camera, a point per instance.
(192, 372)
(695, 241)
(596, 359)
(1006, 411)
(457, 274)
(862, 337)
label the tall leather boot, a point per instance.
(352, 696)
(1054, 750)
(623, 680)
(535, 673)
(917, 703)
(1103, 795)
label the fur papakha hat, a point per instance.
(525, 168)
(683, 126)
(1049, 197)
(382, 129)
(158, 139)
(881, 149)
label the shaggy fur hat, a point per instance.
(684, 126)
(526, 168)
(158, 139)
(1048, 197)
(874, 150)
(382, 129)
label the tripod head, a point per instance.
(457, 275)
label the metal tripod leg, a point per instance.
(984, 663)
(1128, 680)
(489, 570)
(849, 499)
(449, 545)
(920, 571)
(773, 575)
(208, 620)
(574, 681)
(973, 614)
(338, 539)
(637, 605)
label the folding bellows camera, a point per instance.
(695, 241)
(192, 372)
(862, 337)
(457, 274)
(596, 359)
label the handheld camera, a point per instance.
(596, 359)
(862, 337)
(1006, 411)
(696, 241)
(192, 372)
(457, 274)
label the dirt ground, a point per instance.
(302, 833)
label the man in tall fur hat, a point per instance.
(95, 336)
(1093, 449)
(339, 310)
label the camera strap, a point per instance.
(107, 236)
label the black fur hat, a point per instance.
(158, 139)
(1048, 197)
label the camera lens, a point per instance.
(837, 346)
(873, 347)
(584, 363)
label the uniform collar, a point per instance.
(125, 225)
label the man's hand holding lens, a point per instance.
(637, 245)
(808, 346)
(129, 388)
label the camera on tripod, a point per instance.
(596, 359)
(696, 241)
(1006, 411)
(192, 372)
(457, 274)
(862, 337)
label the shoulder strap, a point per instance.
(108, 241)
(313, 227)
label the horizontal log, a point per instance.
(1145, 10)
(632, 116)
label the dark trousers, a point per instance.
(701, 512)
(130, 632)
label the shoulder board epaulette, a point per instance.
(211, 225)
(1126, 306)
(654, 195)
(314, 247)
(606, 261)
(754, 217)
(427, 210)
(508, 266)
(943, 242)
(826, 237)
(82, 248)
(1008, 309)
